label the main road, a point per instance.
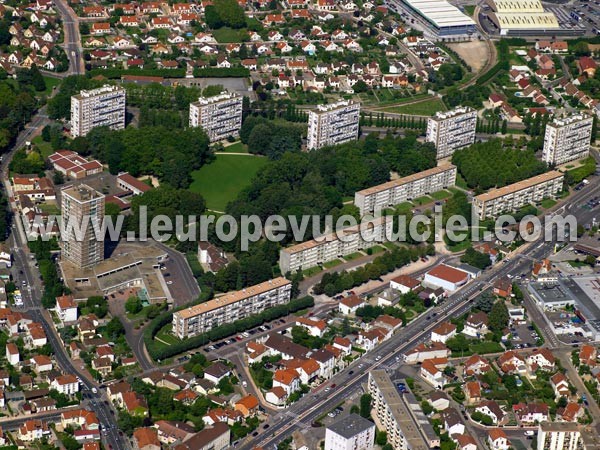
(388, 355)
(72, 38)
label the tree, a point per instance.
(498, 318)
(114, 329)
(381, 438)
(458, 343)
(37, 80)
(581, 49)
(133, 305)
(485, 302)
(98, 306)
(365, 405)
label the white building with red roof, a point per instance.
(447, 277)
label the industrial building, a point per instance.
(567, 139)
(445, 19)
(82, 208)
(333, 124)
(405, 189)
(102, 107)
(400, 415)
(327, 248)
(514, 196)
(230, 307)
(521, 17)
(220, 116)
(452, 130)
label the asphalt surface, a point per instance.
(72, 39)
(302, 413)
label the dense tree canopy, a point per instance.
(490, 164)
(476, 259)
(271, 138)
(225, 13)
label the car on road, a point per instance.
(327, 389)
(170, 282)
(529, 433)
(94, 390)
(266, 426)
(255, 434)
(378, 358)
(351, 372)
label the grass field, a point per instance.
(312, 271)
(226, 35)
(222, 180)
(422, 200)
(51, 82)
(548, 203)
(470, 10)
(330, 264)
(165, 335)
(354, 255)
(44, 147)
(427, 107)
(238, 147)
(440, 195)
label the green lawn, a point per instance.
(238, 147)
(470, 10)
(460, 182)
(44, 147)
(427, 107)
(312, 271)
(548, 203)
(330, 264)
(226, 35)
(222, 180)
(440, 195)
(165, 335)
(375, 249)
(49, 208)
(51, 82)
(354, 255)
(422, 200)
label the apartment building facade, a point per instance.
(100, 107)
(333, 124)
(405, 431)
(220, 116)
(329, 247)
(567, 139)
(514, 196)
(405, 189)
(230, 307)
(82, 205)
(559, 436)
(452, 130)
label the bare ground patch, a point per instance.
(474, 53)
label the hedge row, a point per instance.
(118, 73)
(159, 352)
(221, 72)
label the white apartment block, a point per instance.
(514, 196)
(329, 247)
(102, 107)
(559, 436)
(353, 432)
(567, 139)
(452, 130)
(333, 124)
(405, 189)
(405, 431)
(230, 307)
(220, 116)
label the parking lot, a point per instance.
(524, 336)
(246, 334)
(577, 15)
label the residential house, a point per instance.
(430, 373)
(497, 439)
(287, 379)
(313, 326)
(146, 438)
(491, 409)
(443, 332)
(348, 305)
(560, 384)
(216, 372)
(472, 391)
(476, 325)
(476, 365)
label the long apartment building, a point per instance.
(406, 426)
(329, 247)
(405, 189)
(100, 107)
(514, 196)
(333, 124)
(452, 130)
(230, 307)
(567, 139)
(220, 116)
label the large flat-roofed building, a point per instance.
(82, 205)
(220, 116)
(521, 17)
(329, 247)
(353, 432)
(406, 426)
(102, 107)
(567, 139)
(452, 130)
(333, 124)
(405, 189)
(446, 19)
(230, 307)
(514, 196)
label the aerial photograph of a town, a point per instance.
(299, 224)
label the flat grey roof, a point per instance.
(350, 426)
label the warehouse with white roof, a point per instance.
(521, 16)
(447, 19)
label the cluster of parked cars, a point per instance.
(335, 412)
(245, 334)
(592, 203)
